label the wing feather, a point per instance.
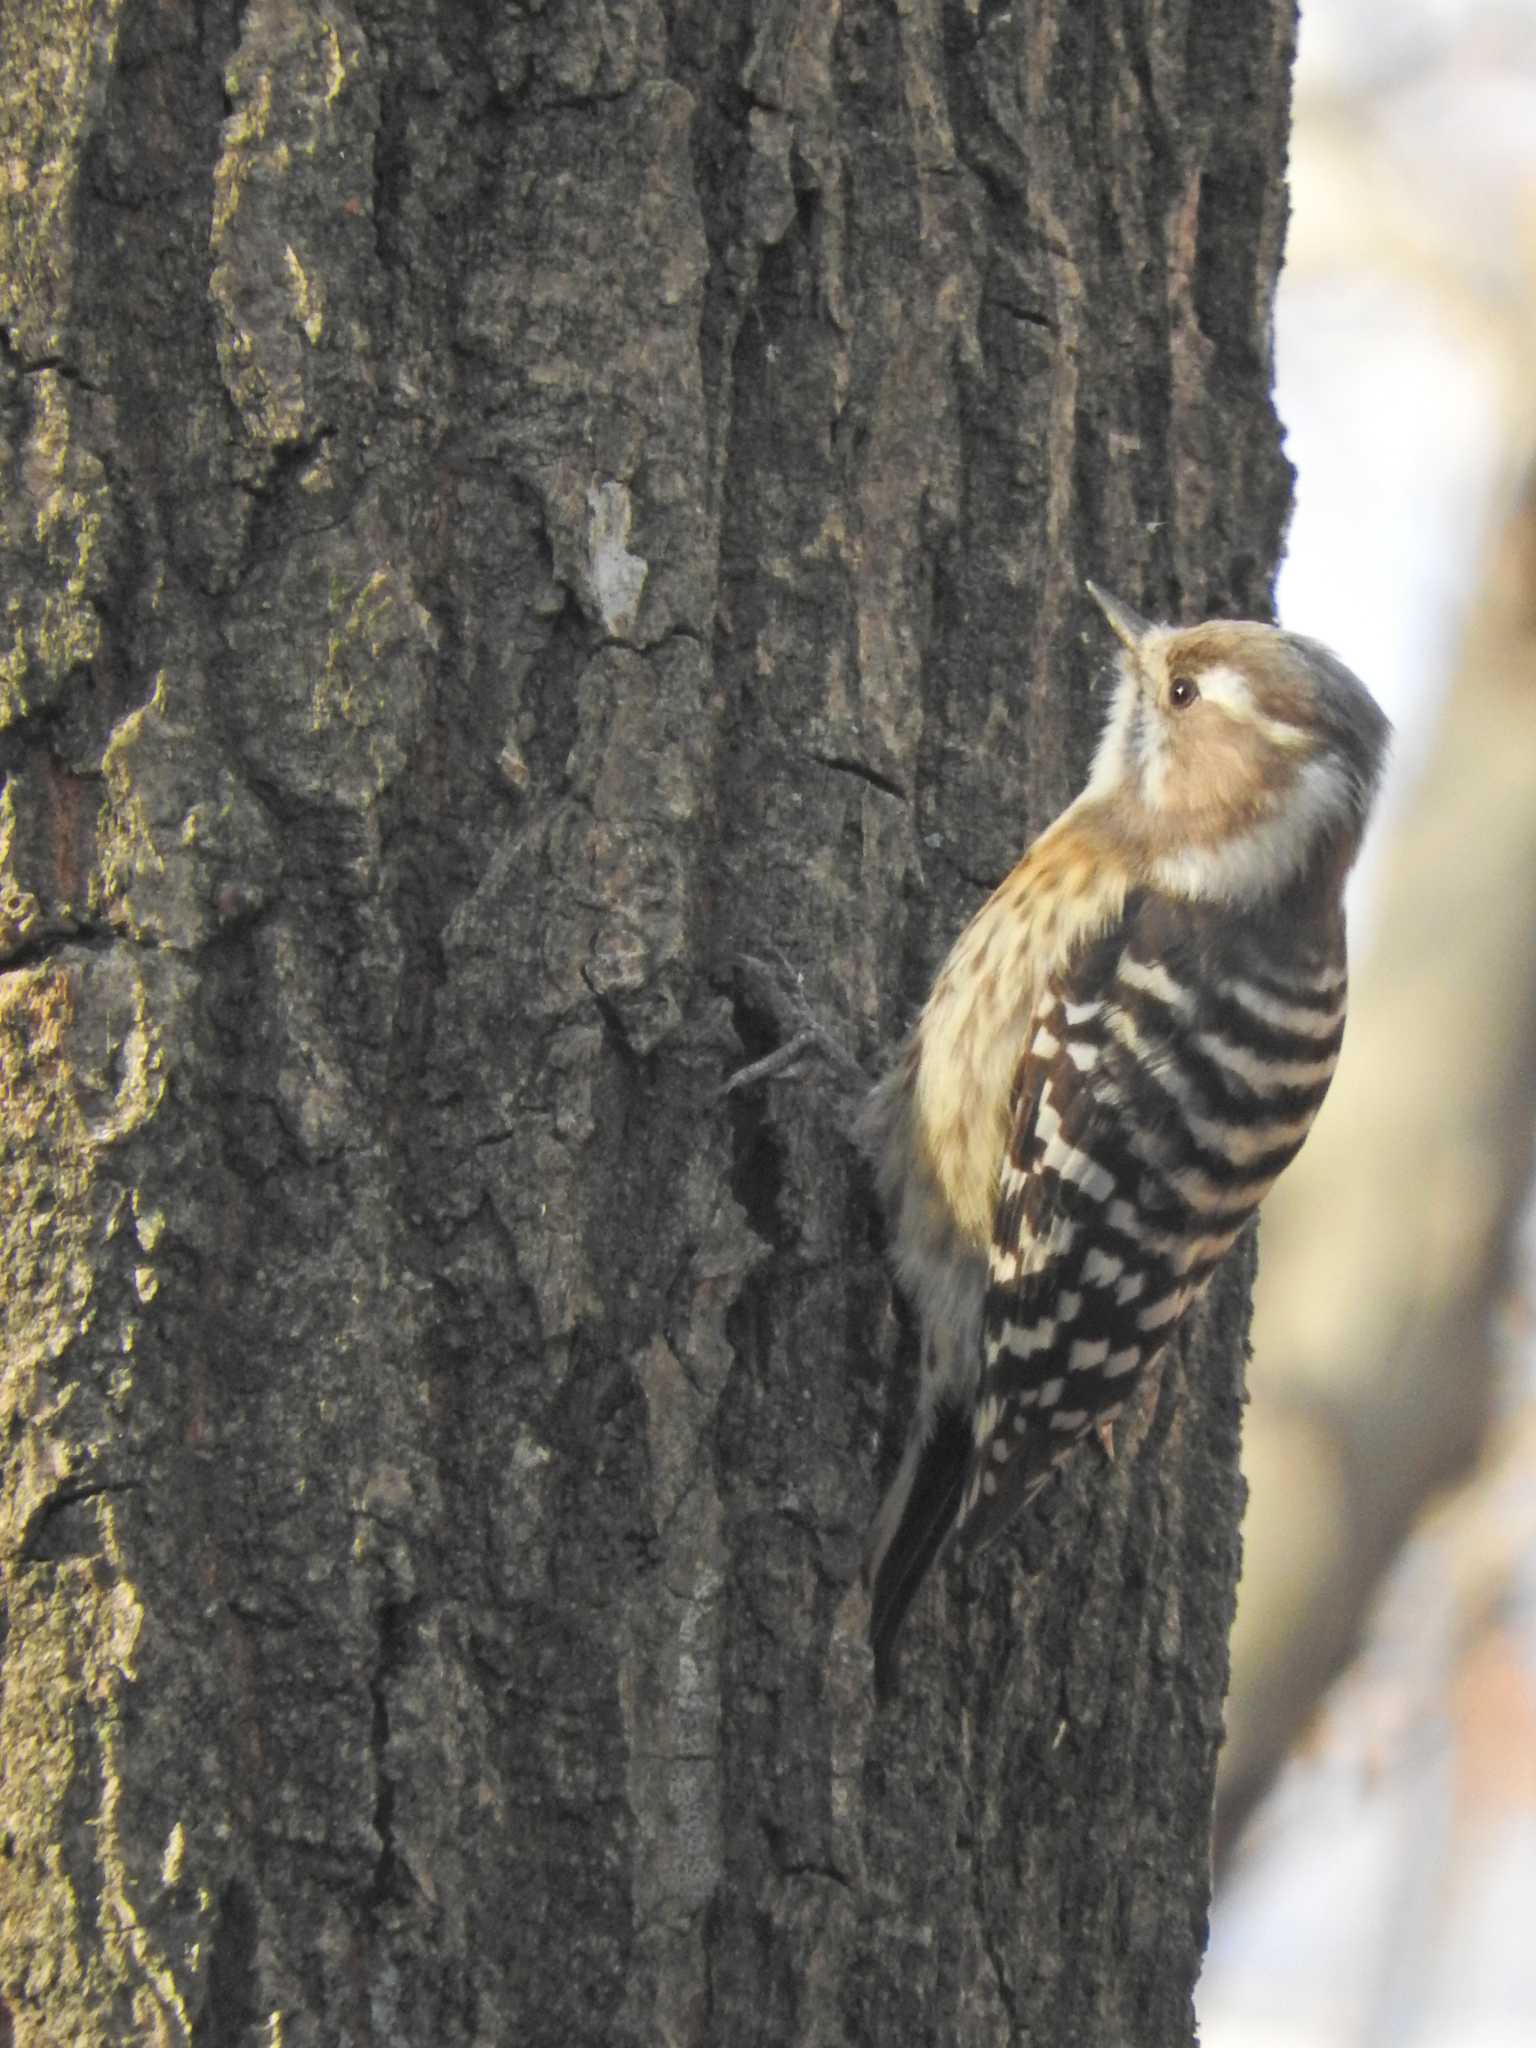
(1080, 1255)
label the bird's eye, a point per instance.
(1182, 692)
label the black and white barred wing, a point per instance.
(1082, 1289)
(1162, 1091)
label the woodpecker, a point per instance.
(1126, 1045)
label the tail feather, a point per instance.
(912, 1528)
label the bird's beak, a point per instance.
(1129, 626)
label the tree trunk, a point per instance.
(510, 511)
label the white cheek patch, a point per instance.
(1258, 861)
(1146, 748)
(1135, 746)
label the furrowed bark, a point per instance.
(510, 514)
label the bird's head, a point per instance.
(1236, 757)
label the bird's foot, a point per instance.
(775, 994)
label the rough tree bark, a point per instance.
(507, 511)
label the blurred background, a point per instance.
(1376, 1842)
